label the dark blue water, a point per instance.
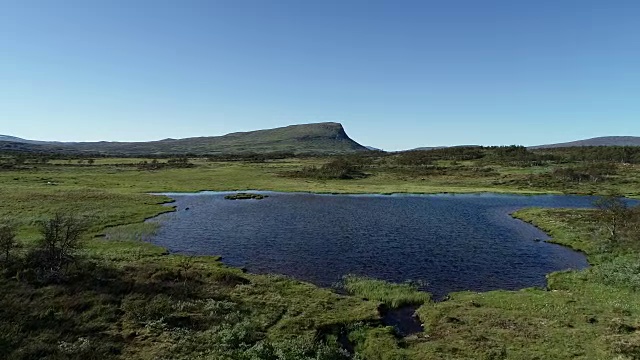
(448, 242)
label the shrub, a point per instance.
(60, 242)
(143, 310)
(621, 271)
(592, 172)
(339, 168)
(619, 223)
(7, 238)
(179, 162)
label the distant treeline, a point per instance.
(15, 160)
(44, 157)
(252, 157)
(491, 155)
(619, 154)
(520, 155)
(341, 168)
(571, 165)
(179, 162)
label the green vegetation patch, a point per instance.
(376, 343)
(392, 295)
(132, 232)
(246, 196)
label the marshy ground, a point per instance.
(125, 298)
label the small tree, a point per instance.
(61, 236)
(91, 161)
(632, 229)
(7, 238)
(613, 214)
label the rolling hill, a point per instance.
(7, 138)
(597, 141)
(321, 138)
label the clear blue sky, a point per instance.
(396, 74)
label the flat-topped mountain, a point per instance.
(597, 141)
(320, 138)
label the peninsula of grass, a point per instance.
(390, 294)
(246, 196)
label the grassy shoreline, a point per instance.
(535, 216)
(576, 314)
(451, 191)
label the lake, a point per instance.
(445, 242)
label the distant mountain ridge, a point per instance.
(16, 139)
(597, 141)
(320, 138)
(427, 148)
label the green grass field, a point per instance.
(131, 300)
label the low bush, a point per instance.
(173, 163)
(143, 309)
(60, 241)
(337, 169)
(7, 238)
